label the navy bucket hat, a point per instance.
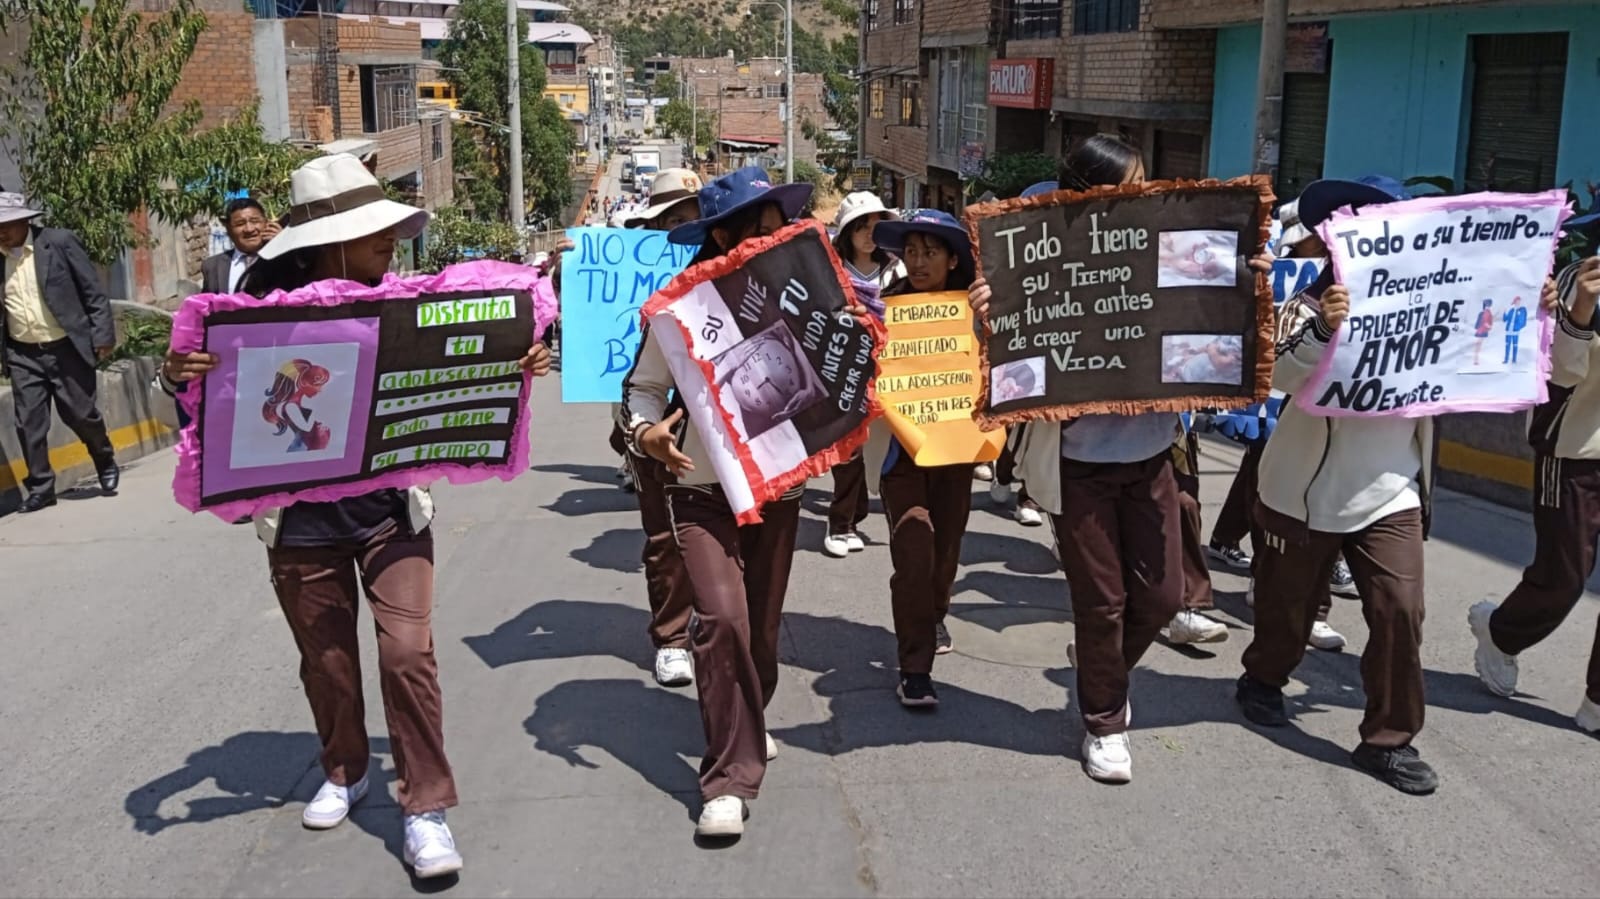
(892, 235)
(737, 191)
(1322, 198)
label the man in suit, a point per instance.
(57, 326)
(249, 229)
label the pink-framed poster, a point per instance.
(338, 389)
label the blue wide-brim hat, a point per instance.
(1582, 221)
(891, 236)
(1041, 187)
(1322, 198)
(736, 191)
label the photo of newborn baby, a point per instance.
(1202, 359)
(1198, 259)
(1016, 380)
(768, 378)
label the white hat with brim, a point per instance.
(1293, 231)
(14, 207)
(858, 204)
(670, 187)
(336, 199)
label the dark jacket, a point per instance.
(71, 289)
(214, 273)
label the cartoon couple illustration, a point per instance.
(1515, 319)
(297, 380)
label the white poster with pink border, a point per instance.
(1444, 306)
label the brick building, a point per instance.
(747, 101)
(895, 132)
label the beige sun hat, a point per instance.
(14, 206)
(858, 204)
(670, 187)
(336, 199)
(1293, 230)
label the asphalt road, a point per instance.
(157, 742)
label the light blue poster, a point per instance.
(605, 279)
(1290, 276)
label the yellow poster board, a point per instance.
(928, 380)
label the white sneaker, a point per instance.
(722, 817)
(1588, 716)
(854, 541)
(673, 668)
(430, 848)
(836, 545)
(1029, 517)
(1496, 669)
(1000, 493)
(1192, 627)
(1106, 759)
(983, 471)
(1250, 594)
(332, 804)
(1326, 638)
(772, 748)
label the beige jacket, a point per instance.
(164, 402)
(1571, 420)
(645, 401)
(1315, 454)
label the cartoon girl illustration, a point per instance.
(1484, 326)
(297, 380)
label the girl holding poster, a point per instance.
(343, 229)
(1107, 482)
(1565, 433)
(927, 507)
(1357, 485)
(739, 574)
(871, 270)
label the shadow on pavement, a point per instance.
(645, 727)
(618, 549)
(568, 629)
(593, 474)
(593, 500)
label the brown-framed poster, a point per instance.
(1126, 299)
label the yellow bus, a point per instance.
(439, 91)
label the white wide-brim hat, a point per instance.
(670, 187)
(1293, 230)
(14, 207)
(858, 204)
(336, 199)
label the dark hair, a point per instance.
(239, 204)
(959, 278)
(1024, 378)
(291, 271)
(740, 224)
(846, 249)
(1103, 159)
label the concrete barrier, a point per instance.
(1487, 456)
(124, 401)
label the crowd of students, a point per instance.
(1120, 491)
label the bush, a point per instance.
(454, 237)
(140, 334)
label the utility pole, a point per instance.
(861, 101)
(788, 72)
(514, 116)
(1269, 86)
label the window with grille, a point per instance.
(905, 12)
(872, 15)
(1518, 84)
(974, 94)
(388, 97)
(910, 102)
(877, 99)
(772, 91)
(438, 141)
(1034, 19)
(1104, 16)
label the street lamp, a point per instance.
(788, 73)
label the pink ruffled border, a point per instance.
(763, 489)
(1319, 375)
(188, 335)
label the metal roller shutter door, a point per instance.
(1518, 81)
(1305, 132)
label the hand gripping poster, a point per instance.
(337, 389)
(1125, 299)
(777, 379)
(929, 378)
(1444, 306)
(605, 279)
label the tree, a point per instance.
(475, 62)
(666, 85)
(454, 237)
(88, 103)
(677, 119)
(1007, 174)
